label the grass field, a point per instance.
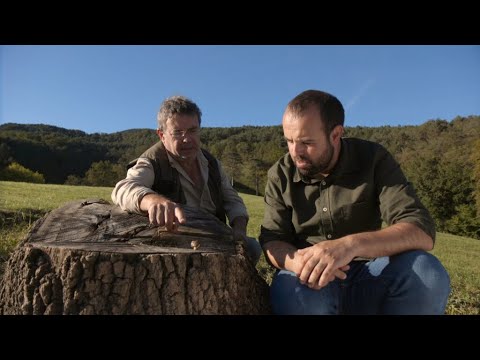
(21, 204)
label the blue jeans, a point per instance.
(413, 282)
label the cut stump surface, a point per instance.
(89, 257)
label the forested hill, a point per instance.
(441, 158)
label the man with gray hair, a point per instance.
(177, 171)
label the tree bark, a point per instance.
(89, 257)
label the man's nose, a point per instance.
(297, 149)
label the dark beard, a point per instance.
(320, 167)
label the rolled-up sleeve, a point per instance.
(232, 202)
(397, 197)
(129, 192)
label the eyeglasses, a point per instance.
(180, 134)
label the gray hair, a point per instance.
(177, 105)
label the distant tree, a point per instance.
(256, 171)
(231, 162)
(17, 172)
(426, 175)
(216, 149)
(475, 157)
(465, 222)
(441, 158)
(5, 155)
(74, 180)
(104, 173)
(269, 152)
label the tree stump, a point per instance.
(89, 257)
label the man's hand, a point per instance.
(240, 236)
(323, 262)
(163, 212)
(239, 228)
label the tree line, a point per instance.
(441, 158)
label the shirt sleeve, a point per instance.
(397, 197)
(129, 192)
(232, 202)
(277, 223)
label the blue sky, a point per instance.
(113, 88)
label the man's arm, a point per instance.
(391, 240)
(282, 255)
(239, 228)
(323, 260)
(135, 194)
(128, 193)
(276, 231)
(399, 204)
(239, 225)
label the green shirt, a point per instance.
(365, 187)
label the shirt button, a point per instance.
(324, 182)
(324, 209)
(329, 236)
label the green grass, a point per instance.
(461, 258)
(19, 196)
(21, 204)
(254, 205)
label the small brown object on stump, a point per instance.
(89, 257)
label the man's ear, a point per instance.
(336, 134)
(160, 134)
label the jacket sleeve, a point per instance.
(129, 192)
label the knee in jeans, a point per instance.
(430, 271)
